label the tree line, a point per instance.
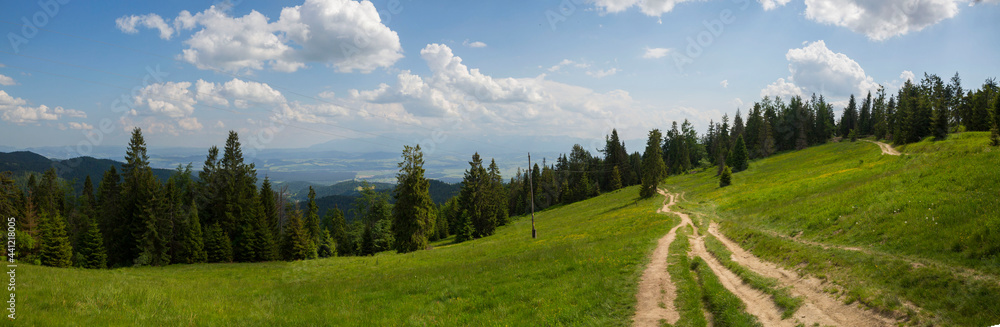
(130, 218)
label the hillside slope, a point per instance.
(895, 232)
(583, 269)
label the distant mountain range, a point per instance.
(73, 170)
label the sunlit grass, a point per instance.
(583, 269)
(929, 221)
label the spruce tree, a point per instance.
(295, 241)
(473, 198)
(327, 246)
(55, 247)
(338, 230)
(311, 223)
(995, 131)
(726, 178)
(110, 219)
(191, 241)
(739, 156)
(616, 179)
(270, 209)
(497, 195)
(465, 230)
(91, 248)
(653, 168)
(413, 213)
(218, 247)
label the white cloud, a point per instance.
(17, 110)
(344, 34)
(243, 93)
(170, 99)
(880, 20)
(81, 126)
(648, 7)
(781, 88)
(772, 4)
(127, 24)
(656, 53)
(724, 83)
(816, 69)
(907, 75)
(189, 123)
(454, 92)
(6, 80)
(476, 44)
(603, 73)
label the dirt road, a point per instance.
(886, 149)
(657, 293)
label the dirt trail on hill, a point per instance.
(655, 287)
(817, 308)
(886, 149)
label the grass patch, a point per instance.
(726, 308)
(928, 221)
(583, 269)
(688, 302)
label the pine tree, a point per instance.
(327, 246)
(412, 216)
(473, 198)
(91, 248)
(465, 229)
(995, 131)
(141, 208)
(110, 219)
(270, 211)
(218, 247)
(496, 196)
(191, 239)
(295, 242)
(55, 247)
(338, 230)
(740, 158)
(653, 168)
(616, 180)
(311, 223)
(726, 178)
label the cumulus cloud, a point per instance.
(817, 69)
(603, 73)
(17, 111)
(656, 53)
(880, 20)
(907, 75)
(171, 99)
(781, 88)
(455, 91)
(80, 126)
(648, 7)
(476, 44)
(244, 93)
(6, 80)
(127, 24)
(772, 4)
(724, 83)
(344, 34)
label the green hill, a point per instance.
(921, 228)
(74, 170)
(581, 270)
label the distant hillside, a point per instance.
(343, 194)
(74, 170)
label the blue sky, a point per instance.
(494, 75)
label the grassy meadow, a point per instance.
(583, 269)
(890, 231)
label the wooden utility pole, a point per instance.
(531, 191)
